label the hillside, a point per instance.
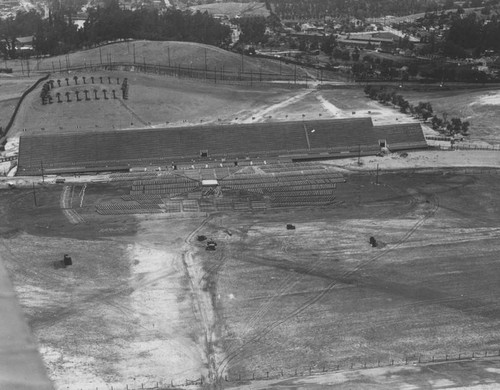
(166, 53)
(173, 53)
(232, 10)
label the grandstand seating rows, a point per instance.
(150, 146)
(402, 136)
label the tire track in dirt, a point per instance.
(203, 309)
(259, 115)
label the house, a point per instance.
(24, 45)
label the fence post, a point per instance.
(267, 374)
(392, 362)
(239, 376)
(472, 355)
(446, 357)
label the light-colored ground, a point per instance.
(470, 375)
(139, 299)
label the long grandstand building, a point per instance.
(222, 144)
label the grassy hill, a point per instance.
(173, 53)
(232, 10)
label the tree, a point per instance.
(253, 29)
(424, 110)
(328, 44)
(436, 122)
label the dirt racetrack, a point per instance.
(145, 303)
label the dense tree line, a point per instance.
(57, 33)
(472, 34)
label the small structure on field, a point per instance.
(211, 245)
(64, 262)
(373, 242)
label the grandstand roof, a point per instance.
(111, 149)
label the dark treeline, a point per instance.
(300, 9)
(472, 34)
(57, 34)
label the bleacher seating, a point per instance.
(113, 150)
(403, 136)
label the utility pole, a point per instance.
(168, 53)
(376, 182)
(359, 154)
(43, 175)
(133, 47)
(100, 54)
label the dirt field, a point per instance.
(145, 303)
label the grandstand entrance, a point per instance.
(382, 143)
(204, 153)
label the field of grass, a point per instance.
(153, 101)
(167, 53)
(232, 9)
(480, 107)
(11, 89)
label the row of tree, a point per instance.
(423, 110)
(57, 34)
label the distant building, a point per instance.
(24, 45)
